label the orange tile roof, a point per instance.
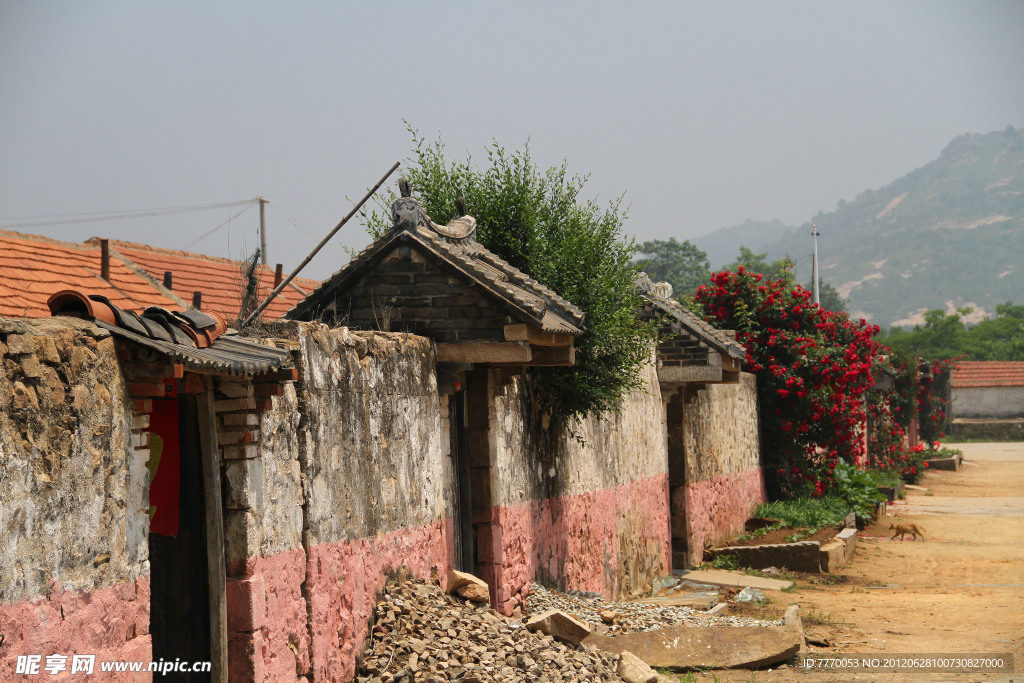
(219, 279)
(32, 268)
(988, 374)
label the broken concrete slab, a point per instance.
(718, 577)
(560, 626)
(951, 464)
(712, 647)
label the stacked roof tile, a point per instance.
(219, 279)
(32, 268)
(969, 374)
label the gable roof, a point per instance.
(968, 374)
(219, 279)
(455, 246)
(659, 297)
(34, 268)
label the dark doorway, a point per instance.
(674, 414)
(463, 513)
(179, 579)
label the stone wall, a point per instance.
(73, 493)
(723, 481)
(347, 479)
(988, 402)
(588, 514)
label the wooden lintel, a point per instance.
(484, 352)
(536, 336)
(554, 355)
(155, 370)
(268, 389)
(287, 375)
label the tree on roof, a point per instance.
(540, 222)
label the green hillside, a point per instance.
(947, 235)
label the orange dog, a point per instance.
(904, 529)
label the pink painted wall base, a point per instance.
(717, 508)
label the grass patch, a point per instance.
(806, 512)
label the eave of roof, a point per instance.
(971, 374)
(528, 298)
(701, 329)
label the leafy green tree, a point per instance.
(539, 222)
(998, 338)
(681, 264)
(942, 336)
(755, 263)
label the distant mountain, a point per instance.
(947, 235)
(723, 244)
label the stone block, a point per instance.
(235, 389)
(243, 484)
(18, 344)
(468, 586)
(632, 669)
(247, 604)
(240, 420)
(832, 555)
(242, 535)
(30, 367)
(560, 626)
(849, 538)
(23, 397)
(46, 350)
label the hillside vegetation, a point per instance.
(945, 236)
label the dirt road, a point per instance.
(959, 591)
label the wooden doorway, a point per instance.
(179, 569)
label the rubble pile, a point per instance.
(613, 618)
(420, 633)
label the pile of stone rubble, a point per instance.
(423, 634)
(420, 633)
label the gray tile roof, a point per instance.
(456, 246)
(659, 297)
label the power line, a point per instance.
(210, 232)
(307, 231)
(92, 217)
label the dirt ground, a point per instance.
(960, 591)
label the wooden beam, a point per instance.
(554, 355)
(536, 336)
(214, 513)
(154, 370)
(484, 352)
(288, 375)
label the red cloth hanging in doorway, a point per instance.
(164, 468)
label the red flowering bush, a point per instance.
(932, 404)
(813, 367)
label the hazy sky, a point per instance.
(703, 113)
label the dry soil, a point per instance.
(960, 591)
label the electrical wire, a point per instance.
(307, 231)
(210, 232)
(92, 217)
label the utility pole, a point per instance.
(814, 264)
(263, 229)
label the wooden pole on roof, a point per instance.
(291, 276)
